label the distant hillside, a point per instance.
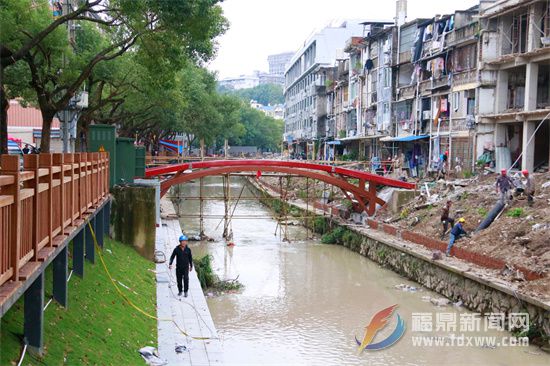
(264, 93)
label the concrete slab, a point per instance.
(191, 314)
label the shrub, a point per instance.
(482, 211)
(468, 174)
(320, 225)
(333, 237)
(205, 273)
(515, 212)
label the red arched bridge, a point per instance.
(340, 177)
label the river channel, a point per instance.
(305, 302)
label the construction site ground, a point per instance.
(520, 236)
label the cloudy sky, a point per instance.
(263, 27)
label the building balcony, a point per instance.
(405, 57)
(462, 35)
(465, 77)
(407, 92)
(425, 87)
(441, 82)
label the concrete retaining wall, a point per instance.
(134, 217)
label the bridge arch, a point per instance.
(336, 176)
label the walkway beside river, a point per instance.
(191, 314)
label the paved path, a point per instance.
(191, 313)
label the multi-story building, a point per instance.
(305, 86)
(241, 82)
(277, 63)
(435, 84)
(514, 95)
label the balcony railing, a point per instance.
(462, 34)
(465, 77)
(407, 92)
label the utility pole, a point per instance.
(69, 116)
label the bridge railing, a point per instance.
(39, 200)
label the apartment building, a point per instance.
(277, 63)
(305, 87)
(514, 92)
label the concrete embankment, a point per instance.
(478, 289)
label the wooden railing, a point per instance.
(41, 199)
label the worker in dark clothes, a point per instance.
(529, 187)
(504, 184)
(184, 264)
(446, 219)
(456, 233)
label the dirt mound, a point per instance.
(520, 236)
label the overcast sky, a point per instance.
(263, 27)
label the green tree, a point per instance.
(23, 25)
(173, 29)
(264, 94)
(260, 130)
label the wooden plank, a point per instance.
(69, 229)
(6, 200)
(43, 187)
(25, 176)
(6, 180)
(43, 242)
(27, 270)
(6, 276)
(58, 240)
(26, 258)
(44, 253)
(26, 193)
(8, 289)
(42, 172)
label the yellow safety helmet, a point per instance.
(461, 219)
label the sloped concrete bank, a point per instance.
(479, 289)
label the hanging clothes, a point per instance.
(418, 44)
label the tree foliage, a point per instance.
(167, 30)
(259, 130)
(264, 94)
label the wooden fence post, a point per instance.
(31, 163)
(46, 162)
(58, 162)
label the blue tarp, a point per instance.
(173, 146)
(335, 142)
(408, 138)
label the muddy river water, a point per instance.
(305, 302)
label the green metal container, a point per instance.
(140, 162)
(102, 138)
(125, 160)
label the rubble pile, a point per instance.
(520, 236)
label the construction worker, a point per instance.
(529, 187)
(456, 233)
(503, 185)
(184, 264)
(445, 218)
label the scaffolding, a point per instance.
(279, 203)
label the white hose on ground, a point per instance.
(22, 355)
